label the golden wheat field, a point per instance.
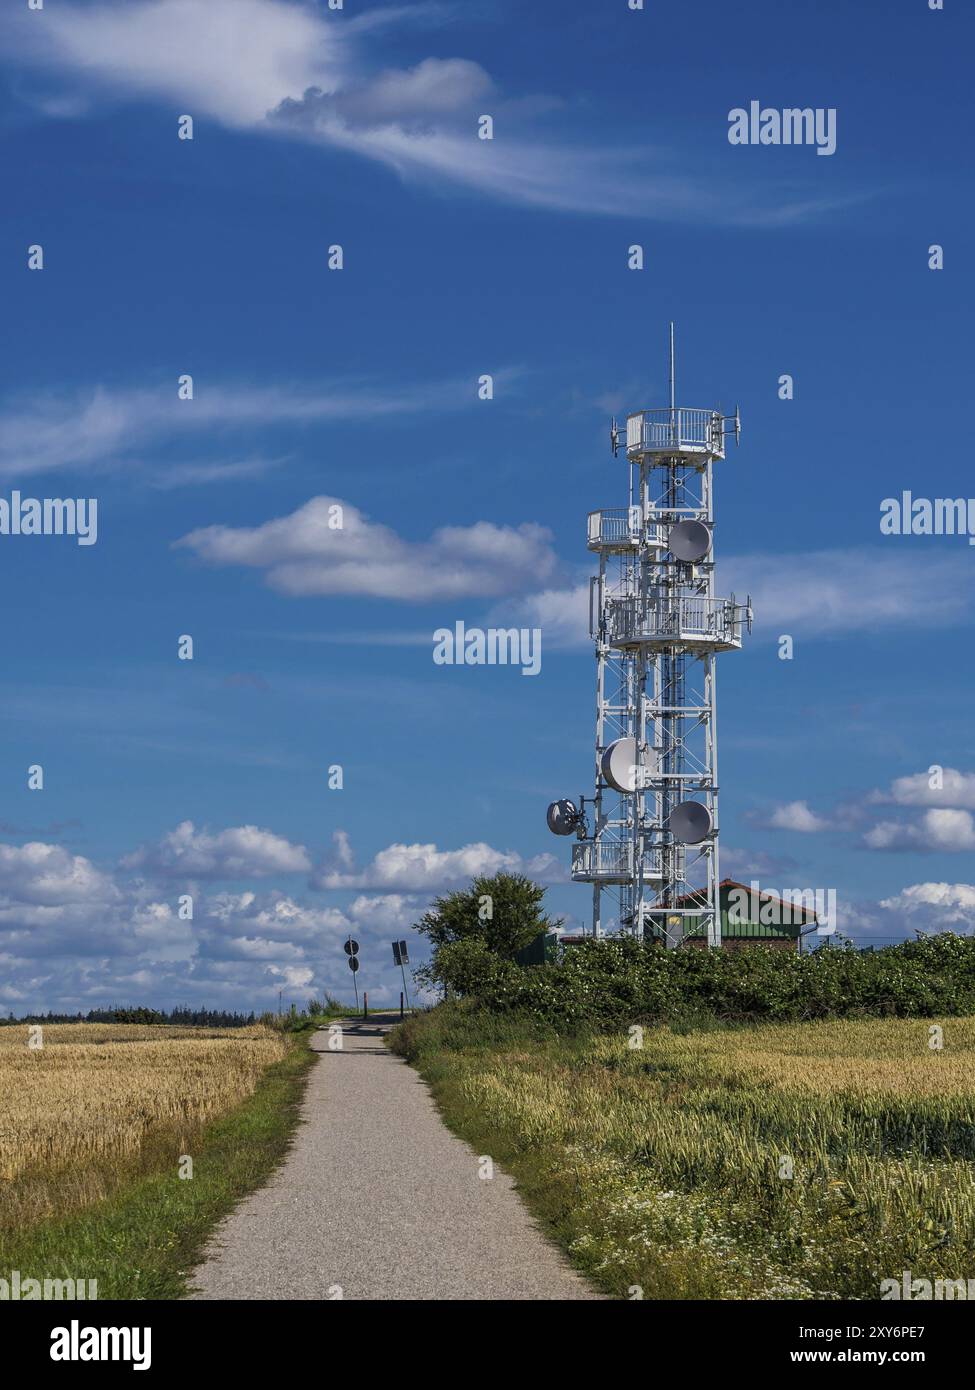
(94, 1096)
(808, 1160)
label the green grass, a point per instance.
(142, 1242)
(780, 1161)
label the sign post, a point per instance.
(401, 957)
(351, 949)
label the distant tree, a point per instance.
(498, 915)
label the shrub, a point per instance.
(617, 979)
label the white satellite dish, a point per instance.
(562, 817)
(690, 822)
(689, 541)
(620, 765)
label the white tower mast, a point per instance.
(652, 844)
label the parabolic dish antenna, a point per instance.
(690, 822)
(619, 765)
(689, 541)
(562, 817)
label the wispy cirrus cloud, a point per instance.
(295, 70)
(99, 428)
(830, 593)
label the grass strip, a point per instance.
(143, 1240)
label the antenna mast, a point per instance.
(651, 844)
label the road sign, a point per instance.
(401, 958)
(353, 964)
(351, 947)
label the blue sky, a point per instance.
(461, 257)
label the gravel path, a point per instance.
(378, 1200)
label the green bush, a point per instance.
(618, 979)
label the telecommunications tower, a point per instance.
(649, 837)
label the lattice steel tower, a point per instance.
(649, 836)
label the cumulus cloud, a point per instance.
(288, 69)
(390, 911)
(410, 97)
(936, 787)
(273, 915)
(48, 876)
(949, 831)
(240, 851)
(308, 553)
(796, 815)
(417, 867)
(941, 906)
(73, 936)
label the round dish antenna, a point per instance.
(690, 822)
(689, 541)
(562, 817)
(620, 765)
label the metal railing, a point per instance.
(713, 622)
(610, 861)
(620, 527)
(663, 431)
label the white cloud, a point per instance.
(816, 594)
(435, 87)
(240, 851)
(101, 428)
(387, 911)
(833, 592)
(304, 554)
(942, 905)
(49, 876)
(274, 915)
(230, 59)
(296, 977)
(73, 937)
(417, 867)
(957, 789)
(796, 815)
(951, 831)
(290, 69)
(562, 615)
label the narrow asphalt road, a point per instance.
(378, 1200)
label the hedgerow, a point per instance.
(618, 979)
